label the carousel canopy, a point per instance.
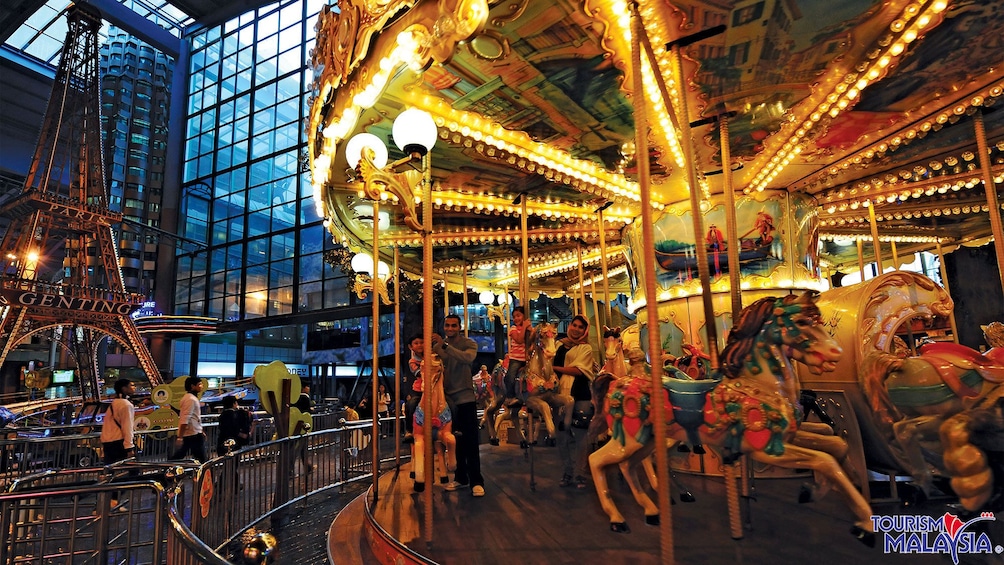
(858, 104)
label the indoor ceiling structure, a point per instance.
(856, 103)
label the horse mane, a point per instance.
(611, 332)
(873, 370)
(743, 335)
(599, 388)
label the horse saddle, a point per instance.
(687, 398)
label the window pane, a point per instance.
(311, 267)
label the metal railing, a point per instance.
(77, 524)
(277, 473)
(26, 451)
(167, 513)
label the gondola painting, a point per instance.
(759, 242)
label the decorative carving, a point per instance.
(402, 185)
(516, 10)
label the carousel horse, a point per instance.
(441, 421)
(968, 437)
(993, 333)
(614, 367)
(750, 408)
(614, 362)
(915, 395)
(532, 382)
(539, 381)
(496, 384)
(536, 386)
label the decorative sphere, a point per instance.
(414, 130)
(260, 549)
(354, 149)
(362, 263)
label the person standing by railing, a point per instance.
(117, 428)
(235, 423)
(305, 405)
(191, 438)
(383, 409)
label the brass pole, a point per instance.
(652, 305)
(524, 267)
(683, 127)
(582, 282)
(861, 259)
(446, 294)
(703, 271)
(599, 327)
(466, 308)
(731, 229)
(427, 315)
(505, 320)
(876, 246)
(944, 283)
(603, 267)
(397, 358)
(991, 189)
(375, 297)
(895, 255)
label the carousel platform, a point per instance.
(513, 523)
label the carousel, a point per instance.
(723, 165)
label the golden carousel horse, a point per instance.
(751, 408)
(912, 395)
(969, 437)
(444, 441)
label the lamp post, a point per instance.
(415, 133)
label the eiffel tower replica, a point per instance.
(59, 270)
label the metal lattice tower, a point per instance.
(59, 270)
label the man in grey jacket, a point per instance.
(458, 352)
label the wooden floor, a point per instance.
(554, 525)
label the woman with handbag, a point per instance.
(117, 428)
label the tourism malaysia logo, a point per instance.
(928, 535)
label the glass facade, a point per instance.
(247, 195)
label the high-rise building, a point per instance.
(135, 94)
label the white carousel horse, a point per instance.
(614, 361)
(441, 420)
(536, 385)
(540, 383)
(751, 409)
